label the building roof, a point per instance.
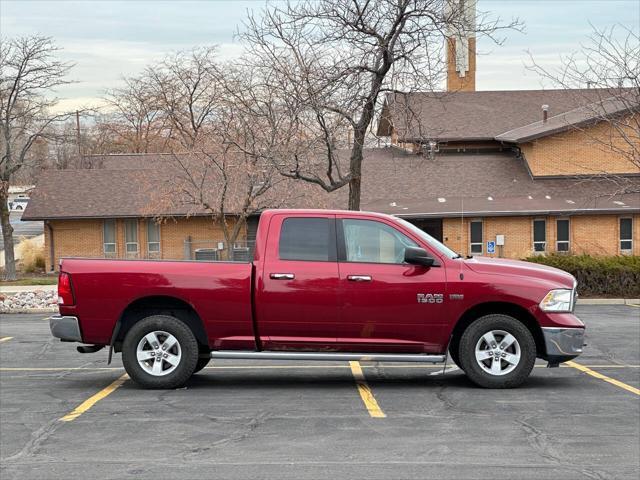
(475, 116)
(394, 182)
(576, 118)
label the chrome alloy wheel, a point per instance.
(498, 352)
(159, 353)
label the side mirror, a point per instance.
(418, 256)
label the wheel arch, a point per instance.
(159, 305)
(496, 308)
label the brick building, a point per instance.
(464, 199)
(533, 172)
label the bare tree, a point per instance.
(222, 183)
(230, 173)
(135, 118)
(28, 72)
(332, 61)
(604, 75)
(184, 87)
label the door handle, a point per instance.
(282, 276)
(359, 278)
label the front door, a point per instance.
(298, 299)
(387, 305)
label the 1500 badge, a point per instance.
(430, 298)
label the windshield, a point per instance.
(429, 239)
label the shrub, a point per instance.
(617, 276)
(31, 254)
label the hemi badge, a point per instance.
(456, 296)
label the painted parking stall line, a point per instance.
(5, 339)
(91, 401)
(439, 371)
(600, 376)
(365, 392)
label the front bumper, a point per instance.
(65, 328)
(563, 343)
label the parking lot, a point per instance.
(67, 415)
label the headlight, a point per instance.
(560, 300)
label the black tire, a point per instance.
(473, 334)
(188, 349)
(202, 362)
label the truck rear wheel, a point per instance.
(497, 351)
(160, 352)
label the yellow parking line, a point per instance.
(55, 369)
(272, 367)
(91, 401)
(5, 339)
(365, 392)
(633, 305)
(600, 376)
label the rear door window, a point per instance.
(308, 239)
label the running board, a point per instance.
(327, 356)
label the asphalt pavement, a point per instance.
(66, 415)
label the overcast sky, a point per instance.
(109, 39)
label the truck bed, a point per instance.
(219, 292)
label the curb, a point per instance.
(608, 301)
(29, 310)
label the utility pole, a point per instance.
(78, 135)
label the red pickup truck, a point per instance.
(323, 285)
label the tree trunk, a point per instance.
(7, 234)
(354, 193)
(355, 167)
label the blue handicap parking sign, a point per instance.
(491, 247)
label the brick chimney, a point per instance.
(461, 46)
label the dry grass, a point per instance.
(31, 256)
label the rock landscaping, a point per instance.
(30, 300)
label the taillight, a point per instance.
(65, 291)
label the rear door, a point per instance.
(297, 298)
(387, 305)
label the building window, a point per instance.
(539, 235)
(131, 236)
(109, 238)
(475, 234)
(307, 239)
(153, 237)
(562, 236)
(626, 235)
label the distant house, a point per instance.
(18, 197)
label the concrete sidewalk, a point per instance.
(608, 301)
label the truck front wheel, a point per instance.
(497, 351)
(160, 352)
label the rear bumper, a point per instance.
(563, 344)
(65, 328)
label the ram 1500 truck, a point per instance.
(323, 285)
